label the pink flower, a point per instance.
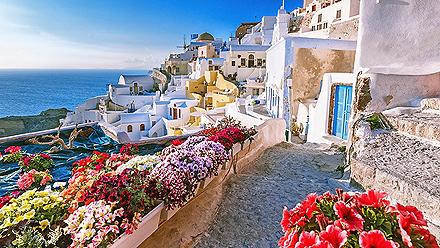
(373, 198)
(45, 156)
(13, 149)
(375, 239)
(26, 180)
(289, 240)
(334, 235)
(349, 219)
(45, 180)
(307, 239)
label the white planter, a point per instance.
(167, 214)
(148, 226)
(236, 148)
(246, 144)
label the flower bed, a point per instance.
(110, 196)
(354, 220)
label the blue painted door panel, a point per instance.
(342, 110)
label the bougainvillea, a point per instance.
(33, 179)
(39, 162)
(354, 220)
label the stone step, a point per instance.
(430, 104)
(419, 123)
(406, 167)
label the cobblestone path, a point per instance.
(251, 208)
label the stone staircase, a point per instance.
(404, 161)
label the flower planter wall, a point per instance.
(148, 226)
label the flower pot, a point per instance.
(225, 165)
(167, 214)
(236, 148)
(148, 226)
(246, 144)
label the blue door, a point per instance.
(342, 109)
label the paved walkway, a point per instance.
(252, 203)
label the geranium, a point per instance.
(94, 225)
(177, 142)
(354, 220)
(97, 161)
(33, 179)
(129, 149)
(39, 162)
(13, 154)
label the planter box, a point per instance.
(236, 148)
(148, 226)
(167, 214)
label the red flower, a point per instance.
(289, 240)
(45, 156)
(13, 149)
(375, 239)
(411, 215)
(308, 206)
(349, 219)
(307, 239)
(429, 240)
(334, 235)
(177, 142)
(373, 198)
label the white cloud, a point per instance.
(25, 46)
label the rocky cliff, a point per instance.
(48, 119)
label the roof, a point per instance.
(248, 48)
(142, 79)
(206, 37)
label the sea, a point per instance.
(26, 92)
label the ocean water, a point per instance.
(28, 92)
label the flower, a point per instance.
(373, 198)
(89, 226)
(13, 149)
(177, 142)
(129, 149)
(349, 219)
(33, 179)
(375, 239)
(334, 236)
(307, 239)
(39, 162)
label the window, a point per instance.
(314, 8)
(180, 113)
(210, 62)
(210, 68)
(216, 67)
(171, 111)
(259, 62)
(153, 123)
(325, 25)
(233, 63)
(319, 27)
(338, 14)
(313, 28)
(264, 62)
(177, 69)
(129, 128)
(251, 62)
(239, 56)
(319, 18)
(243, 62)
(142, 127)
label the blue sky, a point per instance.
(114, 33)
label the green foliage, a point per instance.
(378, 219)
(28, 238)
(375, 122)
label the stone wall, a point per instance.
(347, 30)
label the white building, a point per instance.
(200, 65)
(282, 59)
(244, 62)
